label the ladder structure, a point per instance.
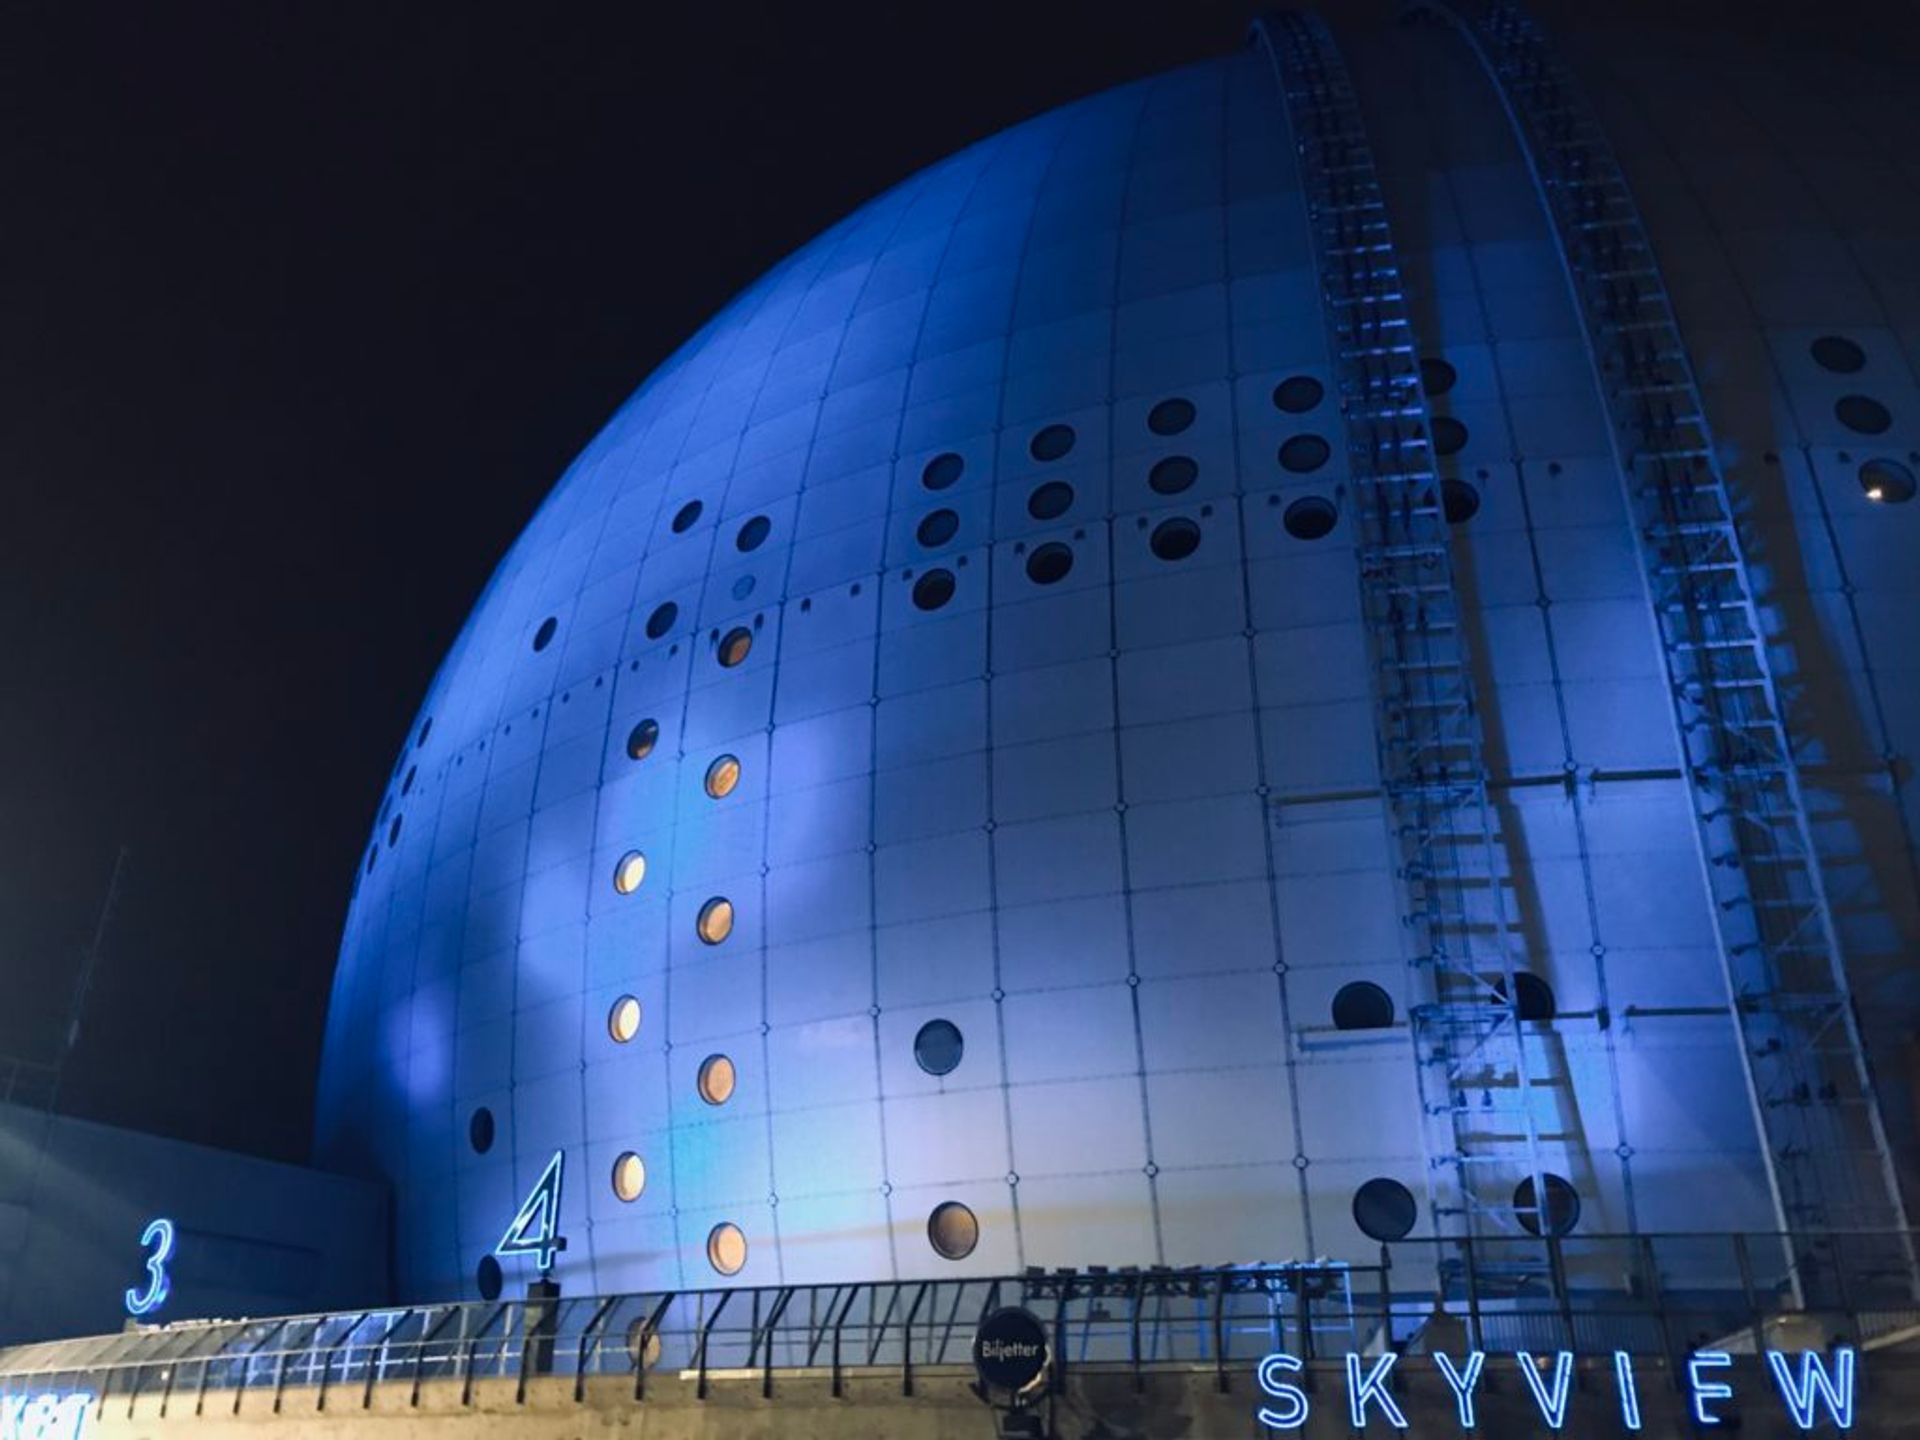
(1829, 1165)
(1482, 1096)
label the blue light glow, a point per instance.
(159, 1234)
(1373, 1387)
(1552, 1402)
(1701, 1391)
(535, 1229)
(1813, 1382)
(1629, 1392)
(1292, 1396)
(1462, 1381)
(50, 1416)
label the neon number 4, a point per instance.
(158, 1234)
(535, 1230)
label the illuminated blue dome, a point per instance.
(911, 800)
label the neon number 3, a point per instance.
(535, 1230)
(158, 1234)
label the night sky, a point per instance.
(302, 310)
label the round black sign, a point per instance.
(1010, 1350)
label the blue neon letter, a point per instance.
(1629, 1395)
(535, 1230)
(159, 1234)
(1836, 1393)
(1462, 1381)
(1705, 1390)
(1552, 1403)
(1372, 1387)
(1292, 1396)
(44, 1417)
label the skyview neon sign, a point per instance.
(1812, 1385)
(52, 1416)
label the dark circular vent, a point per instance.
(1310, 518)
(1536, 995)
(1303, 454)
(937, 528)
(933, 589)
(942, 471)
(753, 534)
(1838, 354)
(1172, 475)
(1049, 564)
(1174, 539)
(1449, 435)
(1437, 377)
(1170, 417)
(1050, 501)
(1561, 1212)
(1863, 414)
(543, 637)
(684, 519)
(488, 1277)
(938, 1047)
(1459, 501)
(1362, 1005)
(1298, 394)
(1887, 482)
(480, 1130)
(661, 620)
(1385, 1209)
(1052, 442)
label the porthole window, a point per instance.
(1052, 442)
(753, 534)
(952, 1230)
(933, 589)
(942, 471)
(406, 785)
(1863, 414)
(1536, 995)
(1174, 539)
(393, 831)
(1449, 435)
(1309, 518)
(937, 528)
(1303, 454)
(1886, 482)
(1385, 1209)
(716, 1080)
(643, 1343)
(1362, 1005)
(1172, 475)
(661, 620)
(727, 1248)
(1437, 377)
(742, 587)
(735, 645)
(629, 1177)
(480, 1130)
(426, 729)
(488, 1277)
(642, 738)
(1838, 354)
(1170, 417)
(1049, 563)
(938, 1046)
(1459, 501)
(1050, 501)
(716, 920)
(1561, 1212)
(686, 516)
(543, 637)
(1298, 394)
(722, 775)
(623, 1019)
(628, 874)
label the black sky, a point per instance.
(302, 309)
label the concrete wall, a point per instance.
(253, 1237)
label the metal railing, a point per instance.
(1654, 1295)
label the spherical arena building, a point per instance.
(1303, 659)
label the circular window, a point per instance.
(933, 589)
(1886, 481)
(393, 831)
(1459, 501)
(488, 1277)
(661, 620)
(1172, 475)
(1174, 539)
(1862, 414)
(726, 1248)
(1050, 501)
(1304, 453)
(628, 874)
(1052, 442)
(952, 1230)
(543, 637)
(1170, 417)
(716, 1079)
(1298, 394)
(480, 1130)
(942, 471)
(1362, 1005)
(722, 775)
(1384, 1209)
(1562, 1210)
(406, 785)
(742, 587)
(623, 1020)
(1449, 435)
(1437, 377)
(643, 1343)
(1536, 995)
(937, 528)
(1310, 518)
(735, 645)
(753, 534)
(938, 1046)
(716, 920)
(629, 1177)
(1049, 564)
(1838, 354)
(685, 517)
(642, 738)
(426, 729)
